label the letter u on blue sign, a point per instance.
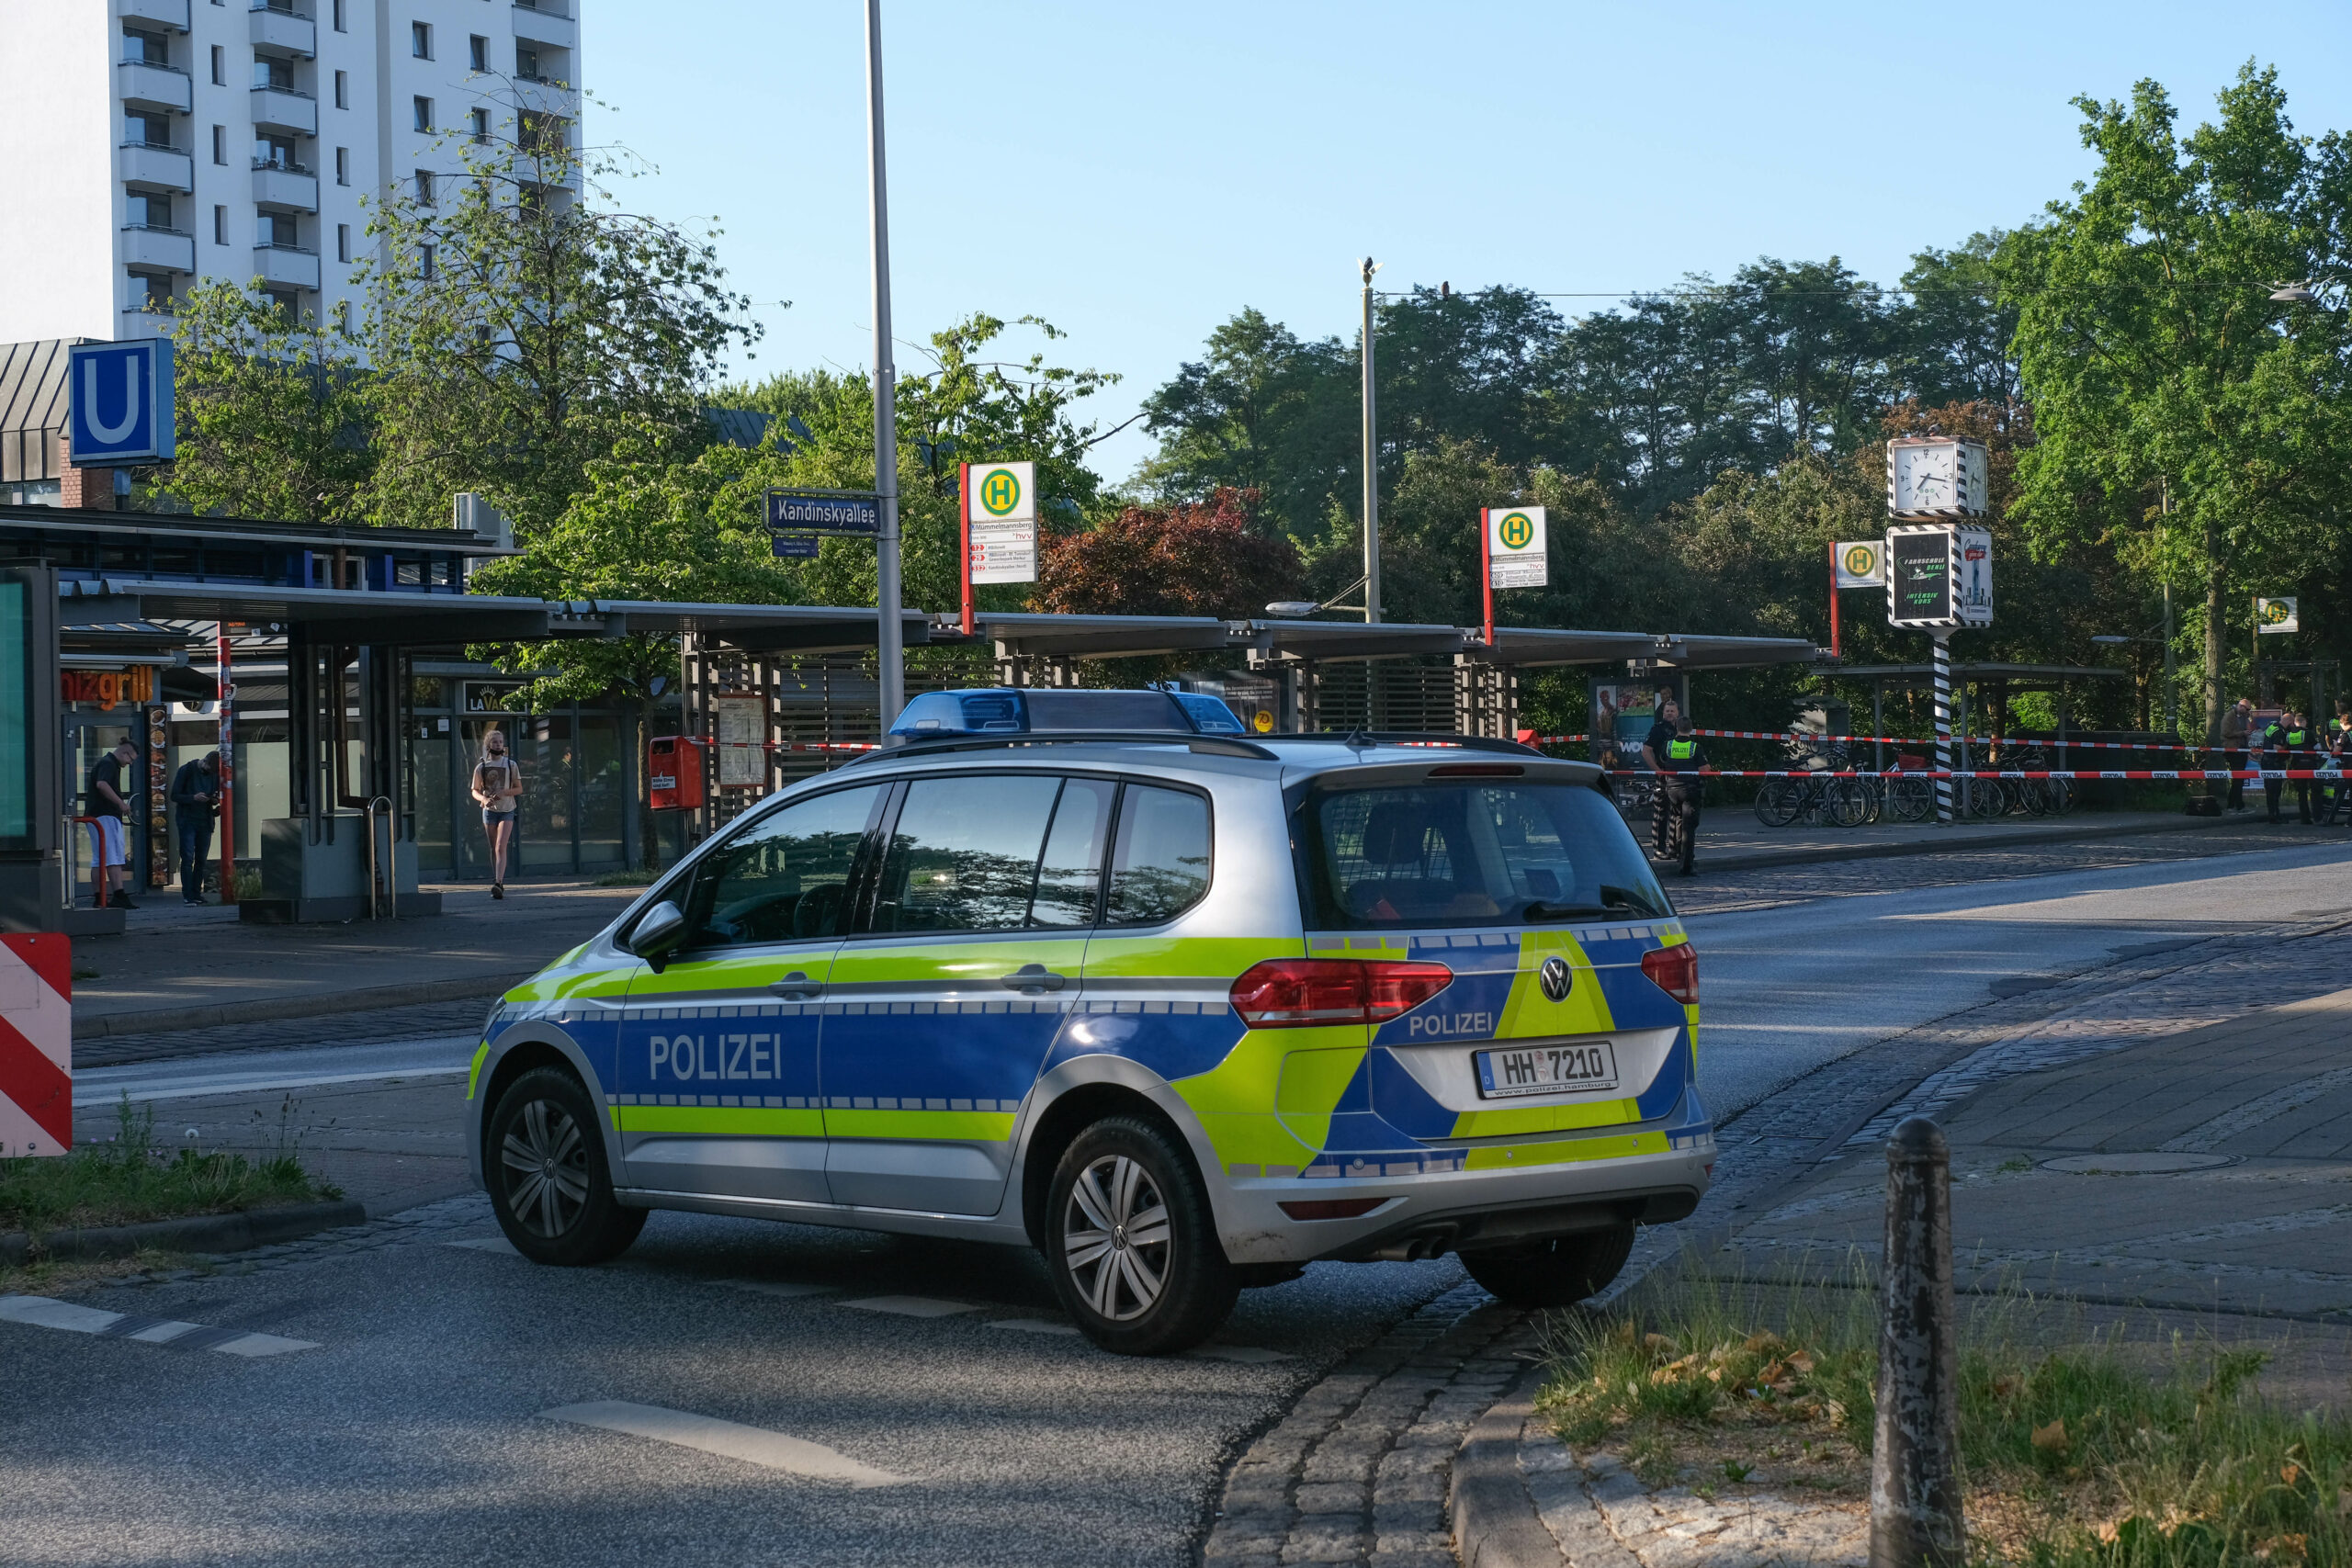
(120, 402)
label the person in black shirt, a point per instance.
(195, 801)
(1675, 757)
(105, 802)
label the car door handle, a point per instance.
(796, 987)
(1035, 980)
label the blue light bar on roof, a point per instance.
(1014, 710)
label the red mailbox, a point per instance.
(674, 770)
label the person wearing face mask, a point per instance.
(497, 783)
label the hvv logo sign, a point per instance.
(119, 395)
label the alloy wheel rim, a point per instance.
(546, 1161)
(1116, 1238)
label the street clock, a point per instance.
(1933, 477)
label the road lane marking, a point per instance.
(912, 1306)
(729, 1440)
(785, 1288)
(1033, 1326)
(40, 1311)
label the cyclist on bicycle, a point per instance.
(1676, 757)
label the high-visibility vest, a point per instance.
(1681, 750)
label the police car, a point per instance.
(1185, 1009)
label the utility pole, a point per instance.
(2172, 687)
(1371, 464)
(889, 646)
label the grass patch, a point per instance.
(640, 879)
(2079, 1448)
(131, 1178)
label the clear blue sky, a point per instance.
(1136, 175)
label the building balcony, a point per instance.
(285, 187)
(546, 24)
(286, 266)
(284, 32)
(147, 86)
(546, 97)
(165, 13)
(138, 322)
(172, 13)
(154, 168)
(282, 108)
(158, 250)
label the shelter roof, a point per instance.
(1924, 674)
(1684, 650)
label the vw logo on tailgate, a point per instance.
(1556, 978)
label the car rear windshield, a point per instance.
(1471, 853)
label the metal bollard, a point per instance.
(1916, 1519)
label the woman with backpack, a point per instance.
(497, 783)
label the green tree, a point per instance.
(2162, 373)
(522, 323)
(272, 412)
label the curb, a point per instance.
(366, 999)
(236, 1232)
(1494, 1518)
(1956, 846)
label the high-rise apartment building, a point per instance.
(148, 144)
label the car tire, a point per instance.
(1557, 1272)
(1131, 1243)
(551, 1185)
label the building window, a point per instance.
(274, 152)
(220, 225)
(146, 49)
(424, 262)
(269, 70)
(343, 242)
(342, 165)
(425, 187)
(149, 211)
(342, 89)
(480, 55)
(338, 15)
(276, 230)
(220, 67)
(419, 39)
(481, 126)
(343, 316)
(424, 107)
(219, 143)
(158, 293)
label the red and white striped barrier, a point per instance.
(2330, 774)
(2042, 742)
(36, 1045)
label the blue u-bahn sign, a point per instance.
(119, 402)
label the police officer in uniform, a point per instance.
(1675, 757)
(2287, 744)
(2339, 743)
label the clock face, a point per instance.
(1925, 477)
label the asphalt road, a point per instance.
(732, 1391)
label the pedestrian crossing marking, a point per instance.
(728, 1439)
(41, 1312)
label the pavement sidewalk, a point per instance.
(1731, 839)
(185, 966)
(2175, 1158)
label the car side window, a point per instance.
(1160, 865)
(783, 878)
(964, 854)
(1070, 878)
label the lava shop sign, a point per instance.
(1516, 552)
(1939, 577)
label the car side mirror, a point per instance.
(658, 933)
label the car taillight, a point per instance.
(1675, 971)
(1304, 993)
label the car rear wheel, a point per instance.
(550, 1184)
(1131, 1243)
(1559, 1272)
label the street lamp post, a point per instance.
(1371, 463)
(890, 653)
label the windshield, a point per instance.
(1453, 854)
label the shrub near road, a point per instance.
(2078, 1449)
(131, 1178)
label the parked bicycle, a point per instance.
(1824, 797)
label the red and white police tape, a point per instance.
(36, 1045)
(2330, 774)
(2044, 741)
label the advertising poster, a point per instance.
(1622, 711)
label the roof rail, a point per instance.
(1214, 745)
(1364, 739)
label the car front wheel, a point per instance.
(1557, 1272)
(550, 1184)
(1132, 1245)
